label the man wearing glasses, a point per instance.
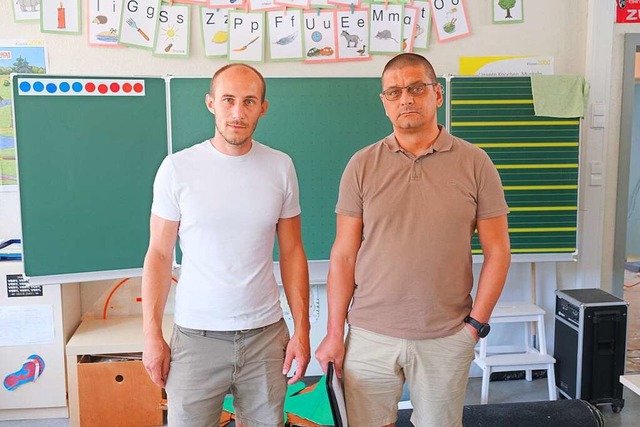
(407, 209)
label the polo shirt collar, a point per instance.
(443, 142)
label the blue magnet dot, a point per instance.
(316, 36)
(64, 87)
(51, 88)
(38, 86)
(25, 86)
(77, 87)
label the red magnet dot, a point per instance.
(102, 88)
(127, 87)
(137, 87)
(115, 87)
(89, 87)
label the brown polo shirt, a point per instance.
(414, 267)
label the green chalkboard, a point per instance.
(319, 122)
(86, 161)
(537, 158)
(86, 164)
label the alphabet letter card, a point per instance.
(386, 28)
(60, 16)
(423, 26)
(285, 35)
(139, 23)
(246, 36)
(172, 37)
(409, 20)
(353, 32)
(215, 31)
(104, 21)
(320, 36)
(450, 19)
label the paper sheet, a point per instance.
(26, 325)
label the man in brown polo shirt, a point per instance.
(407, 209)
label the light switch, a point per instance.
(597, 121)
(596, 167)
(598, 108)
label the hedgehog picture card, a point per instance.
(103, 24)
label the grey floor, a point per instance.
(499, 392)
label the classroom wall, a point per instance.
(568, 30)
(633, 217)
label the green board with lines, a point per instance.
(537, 158)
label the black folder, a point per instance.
(336, 398)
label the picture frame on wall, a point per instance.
(507, 11)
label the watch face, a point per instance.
(483, 331)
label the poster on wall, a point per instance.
(627, 11)
(16, 56)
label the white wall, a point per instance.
(560, 29)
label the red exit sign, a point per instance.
(628, 11)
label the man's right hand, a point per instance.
(155, 358)
(331, 349)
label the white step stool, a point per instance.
(525, 357)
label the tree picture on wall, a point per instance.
(507, 11)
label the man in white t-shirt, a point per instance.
(226, 199)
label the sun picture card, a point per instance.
(386, 28)
(25, 10)
(286, 41)
(231, 4)
(103, 22)
(139, 23)
(246, 36)
(214, 26)
(423, 26)
(353, 32)
(300, 4)
(320, 36)
(450, 19)
(263, 5)
(172, 37)
(409, 20)
(60, 16)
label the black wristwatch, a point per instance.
(482, 328)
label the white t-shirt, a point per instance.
(228, 208)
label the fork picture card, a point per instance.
(386, 25)
(103, 23)
(246, 36)
(172, 37)
(450, 19)
(214, 24)
(139, 23)
(353, 32)
(60, 16)
(286, 42)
